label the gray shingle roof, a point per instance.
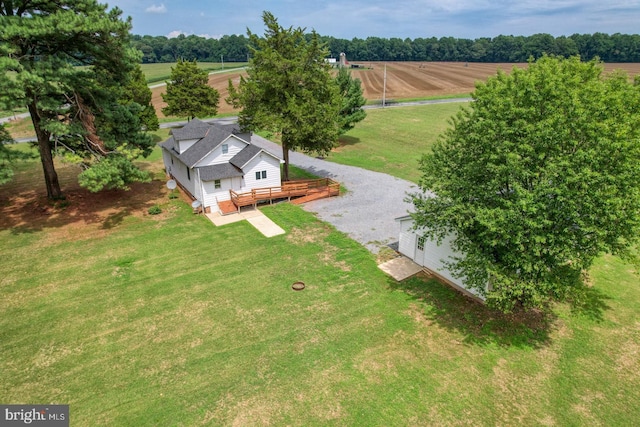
(221, 171)
(200, 149)
(209, 137)
(246, 154)
(169, 144)
(195, 129)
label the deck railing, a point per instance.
(287, 190)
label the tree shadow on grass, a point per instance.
(479, 324)
(591, 303)
(345, 140)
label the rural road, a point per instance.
(232, 119)
(155, 85)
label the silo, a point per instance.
(343, 60)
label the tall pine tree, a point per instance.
(289, 90)
(79, 112)
(188, 92)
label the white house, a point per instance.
(208, 160)
(431, 255)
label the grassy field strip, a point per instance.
(392, 140)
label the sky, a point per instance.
(348, 19)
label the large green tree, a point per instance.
(351, 111)
(289, 90)
(76, 111)
(188, 92)
(535, 179)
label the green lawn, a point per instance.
(392, 140)
(168, 320)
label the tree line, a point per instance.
(609, 48)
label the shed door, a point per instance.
(419, 254)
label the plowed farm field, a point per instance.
(404, 80)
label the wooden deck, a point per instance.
(300, 191)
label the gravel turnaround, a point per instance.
(367, 212)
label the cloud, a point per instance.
(156, 9)
(176, 33)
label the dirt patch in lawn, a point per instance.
(24, 207)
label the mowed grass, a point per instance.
(167, 320)
(392, 140)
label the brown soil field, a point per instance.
(404, 79)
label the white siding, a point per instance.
(186, 144)
(434, 255)
(166, 158)
(179, 171)
(216, 157)
(214, 195)
(262, 162)
(407, 242)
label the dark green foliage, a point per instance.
(89, 114)
(536, 178)
(188, 92)
(289, 90)
(352, 100)
(155, 210)
(502, 48)
(138, 92)
(8, 156)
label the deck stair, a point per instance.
(311, 196)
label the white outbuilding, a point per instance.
(432, 256)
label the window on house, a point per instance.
(188, 174)
(225, 148)
(264, 174)
(217, 184)
(421, 241)
(261, 175)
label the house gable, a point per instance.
(185, 137)
(261, 171)
(217, 155)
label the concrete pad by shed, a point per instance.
(400, 268)
(254, 217)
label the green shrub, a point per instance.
(154, 210)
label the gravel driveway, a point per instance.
(368, 211)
